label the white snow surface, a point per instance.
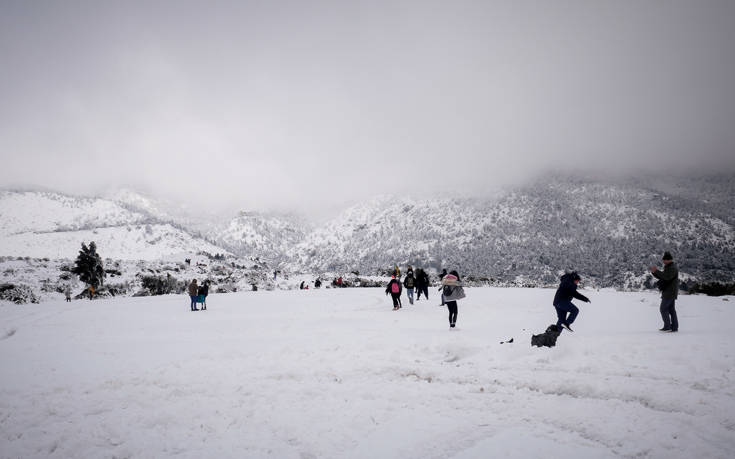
(335, 373)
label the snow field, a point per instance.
(337, 373)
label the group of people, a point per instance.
(451, 289)
(198, 294)
(566, 312)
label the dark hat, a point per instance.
(667, 256)
(575, 276)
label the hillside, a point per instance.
(53, 225)
(610, 232)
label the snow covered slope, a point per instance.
(337, 374)
(611, 232)
(52, 225)
(260, 235)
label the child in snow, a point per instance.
(563, 300)
(452, 290)
(394, 288)
(67, 293)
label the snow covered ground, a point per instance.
(338, 374)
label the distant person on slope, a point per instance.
(563, 300)
(452, 290)
(394, 289)
(193, 291)
(668, 283)
(409, 282)
(67, 293)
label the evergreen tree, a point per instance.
(89, 266)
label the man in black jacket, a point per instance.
(563, 300)
(668, 283)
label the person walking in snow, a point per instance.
(422, 284)
(563, 300)
(452, 290)
(409, 282)
(193, 292)
(394, 289)
(668, 283)
(67, 293)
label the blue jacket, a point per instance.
(568, 290)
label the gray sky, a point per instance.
(289, 104)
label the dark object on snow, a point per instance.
(548, 338)
(507, 342)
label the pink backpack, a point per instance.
(395, 288)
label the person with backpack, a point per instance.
(409, 282)
(452, 290)
(668, 283)
(563, 300)
(394, 288)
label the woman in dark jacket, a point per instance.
(563, 300)
(394, 288)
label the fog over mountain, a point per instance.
(306, 105)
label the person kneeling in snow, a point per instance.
(563, 300)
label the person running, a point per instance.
(452, 290)
(409, 282)
(193, 291)
(563, 300)
(422, 283)
(394, 288)
(668, 283)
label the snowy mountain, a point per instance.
(259, 235)
(609, 231)
(53, 225)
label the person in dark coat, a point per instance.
(394, 288)
(422, 284)
(193, 291)
(668, 283)
(203, 291)
(563, 300)
(409, 282)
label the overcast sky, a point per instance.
(293, 104)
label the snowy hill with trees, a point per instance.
(610, 231)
